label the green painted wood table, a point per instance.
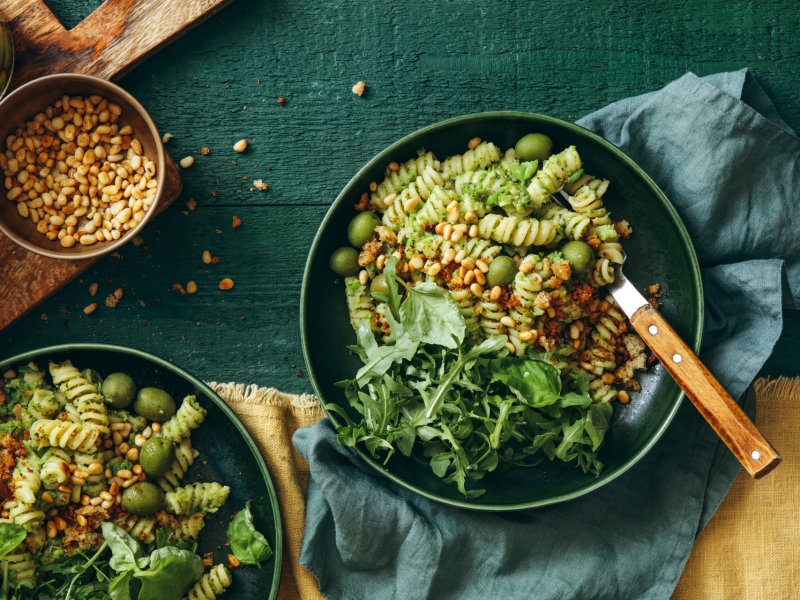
(421, 62)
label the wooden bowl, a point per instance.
(659, 251)
(34, 97)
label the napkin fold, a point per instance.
(718, 148)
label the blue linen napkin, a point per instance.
(728, 163)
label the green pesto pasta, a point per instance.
(451, 219)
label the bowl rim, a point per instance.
(694, 343)
(10, 73)
(221, 404)
(106, 247)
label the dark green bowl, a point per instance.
(659, 251)
(227, 454)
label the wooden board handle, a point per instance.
(714, 403)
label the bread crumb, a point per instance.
(281, 101)
(137, 241)
(226, 284)
(192, 204)
(177, 287)
(358, 88)
(237, 222)
(260, 184)
(204, 151)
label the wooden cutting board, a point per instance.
(110, 42)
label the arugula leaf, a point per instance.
(120, 587)
(572, 434)
(380, 358)
(598, 421)
(172, 572)
(247, 544)
(126, 553)
(431, 315)
(11, 536)
(392, 295)
(535, 382)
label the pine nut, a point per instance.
(77, 480)
(108, 474)
(117, 437)
(363, 277)
(551, 312)
(51, 513)
(51, 529)
(474, 143)
(156, 426)
(81, 520)
(240, 146)
(460, 256)
(417, 262)
(147, 432)
(410, 204)
(95, 468)
(124, 473)
(191, 287)
(479, 277)
(495, 293)
(132, 454)
(529, 335)
(47, 497)
(60, 523)
(137, 469)
(434, 269)
(85, 499)
(468, 277)
(234, 562)
(373, 186)
(96, 501)
(623, 396)
(186, 162)
(452, 205)
(587, 366)
(64, 489)
(128, 483)
(390, 199)
(394, 167)
(447, 231)
(206, 257)
(508, 322)
(525, 267)
(511, 348)
(579, 325)
(107, 504)
(574, 332)
(114, 488)
(476, 289)
(139, 440)
(448, 256)
(470, 216)
(456, 236)
(484, 268)
(116, 426)
(106, 496)
(439, 229)
(468, 263)
(380, 262)
(607, 378)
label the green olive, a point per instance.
(344, 261)
(534, 146)
(501, 271)
(154, 404)
(119, 389)
(362, 228)
(378, 285)
(157, 456)
(579, 254)
(142, 499)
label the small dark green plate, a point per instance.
(227, 454)
(659, 251)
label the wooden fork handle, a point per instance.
(714, 403)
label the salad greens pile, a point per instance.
(167, 572)
(464, 409)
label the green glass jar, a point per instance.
(6, 57)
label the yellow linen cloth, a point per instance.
(748, 550)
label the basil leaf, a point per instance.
(598, 421)
(172, 572)
(11, 536)
(431, 315)
(536, 382)
(247, 544)
(120, 587)
(126, 553)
